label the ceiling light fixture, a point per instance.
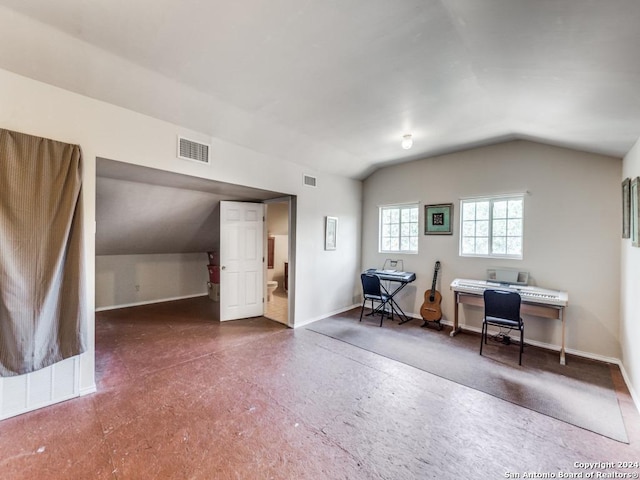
(407, 141)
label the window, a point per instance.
(492, 227)
(399, 228)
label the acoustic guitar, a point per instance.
(430, 310)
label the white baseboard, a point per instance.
(627, 381)
(547, 346)
(150, 302)
(550, 346)
(38, 406)
(578, 353)
(326, 315)
(556, 348)
(88, 390)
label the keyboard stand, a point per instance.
(403, 316)
(403, 279)
(554, 312)
(394, 305)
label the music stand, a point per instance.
(395, 265)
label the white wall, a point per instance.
(278, 228)
(629, 298)
(281, 255)
(571, 242)
(278, 218)
(107, 131)
(335, 272)
(124, 280)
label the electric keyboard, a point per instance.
(402, 279)
(527, 293)
(392, 275)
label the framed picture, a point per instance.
(331, 233)
(438, 219)
(634, 214)
(626, 207)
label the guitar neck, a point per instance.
(433, 284)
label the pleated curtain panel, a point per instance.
(43, 312)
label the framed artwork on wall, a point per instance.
(331, 233)
(626, 207)
(634, 214)
(271, 248)
(438, 219)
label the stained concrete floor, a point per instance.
(182, 397)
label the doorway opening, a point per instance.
(154, 229)
(278, 245)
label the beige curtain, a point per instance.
(42, 281)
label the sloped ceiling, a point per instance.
(140, 210)
(334, 85)
(329, 85)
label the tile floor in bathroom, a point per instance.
(277, 308)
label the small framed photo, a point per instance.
(331, 233)
(438, 219)
(626, 208)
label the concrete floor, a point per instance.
(182, 397)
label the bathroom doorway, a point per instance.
(278, 258)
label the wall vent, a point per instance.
(309, 181)
(191, 150)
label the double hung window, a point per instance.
(399, 229)
(492, 227)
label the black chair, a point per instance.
(374, 291)
(502, 309)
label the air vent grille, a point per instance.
(309, 181)
(190, 150)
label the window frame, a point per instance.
(400, 206)
(492, 199)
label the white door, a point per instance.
(241, 260)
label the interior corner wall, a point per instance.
(571, 233)
(629, 298)
(126, 280)
(324, 280)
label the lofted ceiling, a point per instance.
(335, 85)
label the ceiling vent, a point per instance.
(190, 150)
(309, 181)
